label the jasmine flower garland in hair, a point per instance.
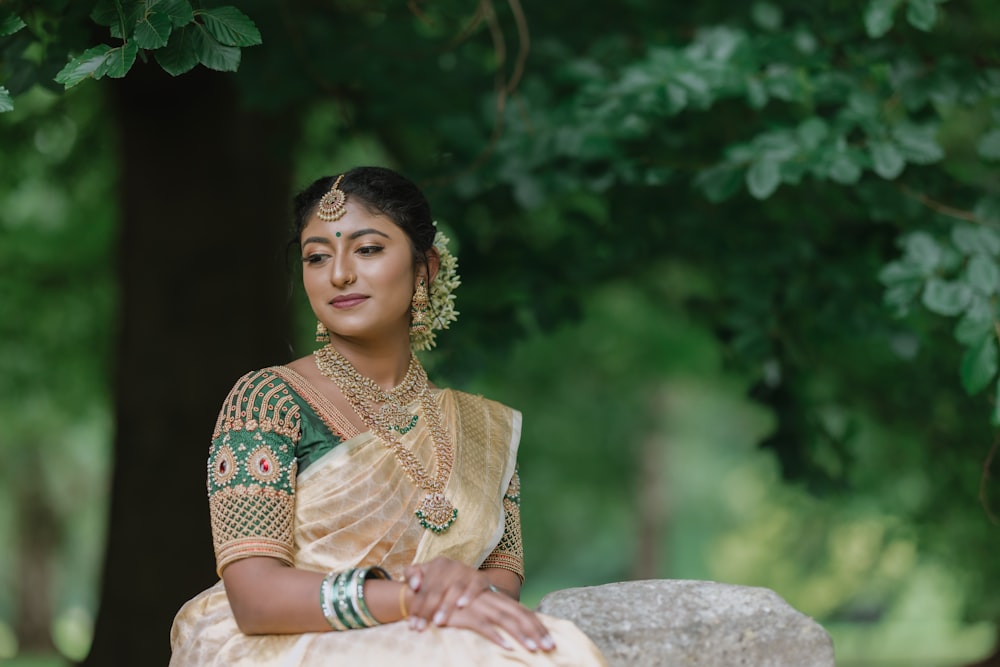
(442, 298)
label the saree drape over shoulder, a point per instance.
(284, 482)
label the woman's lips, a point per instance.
(348, 300)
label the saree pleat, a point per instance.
(355, 507)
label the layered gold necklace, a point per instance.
(385, 413)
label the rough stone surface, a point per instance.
(679, 623)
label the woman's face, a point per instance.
(359, 274)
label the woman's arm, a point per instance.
(505, 581)
(269, 597)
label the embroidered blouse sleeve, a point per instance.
(509, 553)
(251, 471)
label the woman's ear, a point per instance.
(433, 264)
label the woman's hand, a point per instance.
(490, 613)
(440, 587)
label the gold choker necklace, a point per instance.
(385, 413)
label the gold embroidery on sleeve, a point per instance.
(251, 481)
(509, 554)
(251, 521)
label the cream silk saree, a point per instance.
(354, 506)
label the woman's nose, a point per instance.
(342, 272)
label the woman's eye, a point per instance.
(313, 258)
(369, 249)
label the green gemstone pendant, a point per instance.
(436, 513)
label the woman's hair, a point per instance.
(381, 191)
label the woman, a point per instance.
(359, 514)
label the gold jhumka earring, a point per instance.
(419, 307)
(322, 335)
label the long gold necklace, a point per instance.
(436, 513)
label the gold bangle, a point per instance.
(402, 601)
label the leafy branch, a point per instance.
(178, 36)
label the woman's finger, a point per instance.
(442, 583)
(492, 613)
(414, 577)
(521, 623)
(474, 588)
(457, 597)
(479, 623)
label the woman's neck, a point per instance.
(384, 363)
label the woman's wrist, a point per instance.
(344, 600)
(403, 610)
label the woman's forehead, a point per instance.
(355, 219)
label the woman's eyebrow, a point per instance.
(353, 235)
(362, 232)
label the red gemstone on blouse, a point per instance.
(265, 466)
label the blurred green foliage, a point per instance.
(737, 265)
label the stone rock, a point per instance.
(679, 623)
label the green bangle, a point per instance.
(343, 607)
(326, 603)
(362, 605)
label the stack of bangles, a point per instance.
(342, 598)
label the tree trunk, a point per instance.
(991, 660)
(651, 500)
(38, 536)
(205, 210)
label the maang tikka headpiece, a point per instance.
(333, 205)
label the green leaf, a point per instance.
(92, 63)
(972, 239)
(918, 143)
(887, 161)
(785, 83)
(756, 93)
(214, 55)
(979, 364)
(230, 27)
(179, 55)
(900, 271)
(153, 30)
(989, 146)
(11, 24)
(763, 178)
(777, 145)
(899, 297)
(921, 249)
(946, 298)
(766, 15)
(922, 14)
(863, 105)
(6, 101)
(965, 238)
(120, 60)
(973, 326)
(984, 274)
(805, 41)
(179, 11)
(132, 13)
(995, 417)
(878, 17)
(987, 209)
(844, 169)
(104, 13)
(719, 183)
(812, 132)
